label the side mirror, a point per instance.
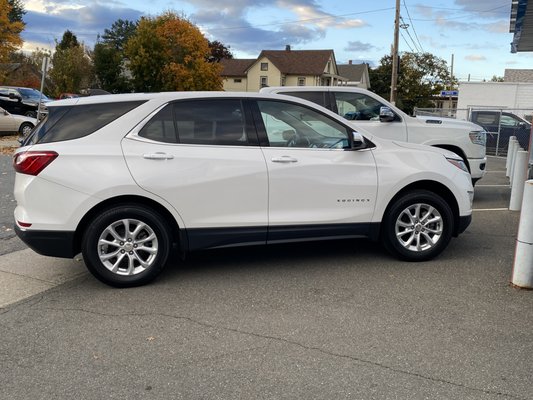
(358, 141)
(386, 114)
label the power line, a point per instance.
(412, 26)
(406, 27)
(468, 15)
(407, 43)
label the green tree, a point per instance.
(71, 66)
(497, 78)
(421, 76)
(109, 58)
(170, 53)
(17, 11)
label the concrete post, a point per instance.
(523, 261)
(508, 158)
(510, 154)
(516, 149)
(519, 177)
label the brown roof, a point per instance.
(299, 62)
(235, 67)
(354, 72)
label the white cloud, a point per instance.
(475, 57)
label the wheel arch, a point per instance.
(431, 186)
(457, 150)
(178, 235)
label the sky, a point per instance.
(475, 33)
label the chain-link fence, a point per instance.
(500, 124)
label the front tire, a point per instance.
(25, 129)
(126, 246)
(418, 226)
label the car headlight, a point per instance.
(478, 137)
(459, 163)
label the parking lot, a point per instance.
(328, 320)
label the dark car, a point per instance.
(21, 100)
(507, 124)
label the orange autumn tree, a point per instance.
(9, 33)
(170, 53)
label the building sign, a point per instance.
(448, 93)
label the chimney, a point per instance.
(288, 47)
(350, 62)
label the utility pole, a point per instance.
(394, 78)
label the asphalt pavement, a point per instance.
(329, 320)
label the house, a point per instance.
(356, 74)
(281, 68)
(20, 74)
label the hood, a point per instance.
(448, 122)
(423, 147)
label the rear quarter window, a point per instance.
(74, 122)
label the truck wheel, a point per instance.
(126, 246)
(418, 226)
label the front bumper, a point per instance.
(464, 222)
(49, 243)
(478, 167)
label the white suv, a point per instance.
(373, 113)
(124, 178)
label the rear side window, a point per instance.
(161, 127)
(74, 122)
(316, 97)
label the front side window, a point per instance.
(292, 125)
(509, 122)
(357, 106)
(210, 122)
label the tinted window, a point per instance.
(77, 121)
(357, 106)
(291, 125)
(219, 121)
(316, 97)
(161, 127)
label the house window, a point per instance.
(301, 81)
(283, 80)
(264, 81)
(264, 66)
(237, 80)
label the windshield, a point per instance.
(32, 94)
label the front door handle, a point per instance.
(158, 156)
(284, 159)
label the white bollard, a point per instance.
(519, 177)
(516, 149)
(523, 260)
(510, 154)
(508, 157)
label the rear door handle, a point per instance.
(158, 156)
(284, 159)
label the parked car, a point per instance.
(22, 101)
(501, 125)
(10, 123)
(367, 110)
(129, 177)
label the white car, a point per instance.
(367, 110)
(11, 123)
(128, 177)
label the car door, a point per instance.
(317, 187)
(7, 122)
(363, 111)
(201, 157)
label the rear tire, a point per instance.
(126, 246)
(25, 128)
(418, 226)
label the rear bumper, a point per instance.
(49, 243)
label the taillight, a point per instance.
(33, 162)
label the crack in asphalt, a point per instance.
(298, 344)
